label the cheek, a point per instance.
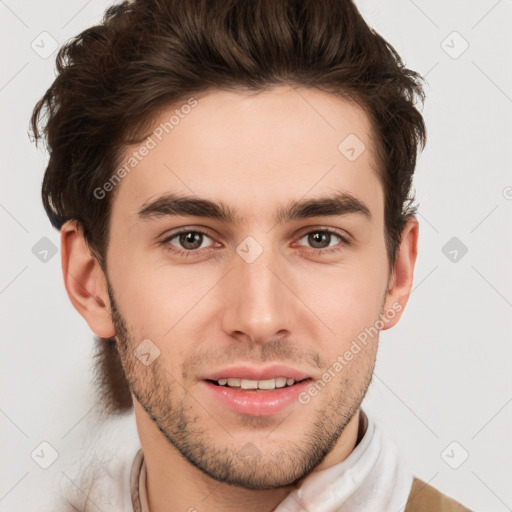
(349, 296)
(347, 299)
(167, 305)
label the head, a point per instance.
(232, 181)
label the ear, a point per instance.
(85, 281)
(400, 281)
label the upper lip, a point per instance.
(257, 373)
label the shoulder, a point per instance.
(103, 482)
(425, 498)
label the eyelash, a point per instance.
(191, 253)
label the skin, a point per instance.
(213, 310)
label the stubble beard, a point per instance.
(266, 466)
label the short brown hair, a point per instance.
(114, 78)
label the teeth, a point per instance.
(279, 382)
(249, 384)
(267, 384)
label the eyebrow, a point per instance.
(172, 205)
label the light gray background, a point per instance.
(443, 373)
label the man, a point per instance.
(232, 180)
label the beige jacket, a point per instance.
(425, 498)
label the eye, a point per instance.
(321, 239)
(187, 241)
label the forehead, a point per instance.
(252, 150)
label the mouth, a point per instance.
(249, 384)
(251, 391)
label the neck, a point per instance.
(173, 483)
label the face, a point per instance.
(211, 301)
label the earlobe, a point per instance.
(85, 281)
(401, 280)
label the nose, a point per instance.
(259, 305)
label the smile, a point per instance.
(267, 384)
(247, 397)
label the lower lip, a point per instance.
(256, 402)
